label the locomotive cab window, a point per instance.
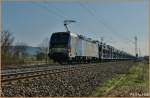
(60, 40)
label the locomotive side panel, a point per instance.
(73, 43)
(86, 48)
(90, 49)
(83, 47)
(96, 50)
(79, 47)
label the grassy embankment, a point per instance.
(134, 83)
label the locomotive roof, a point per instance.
(80, 36)
(87, 39)
(72, 34)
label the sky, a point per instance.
(117, 22)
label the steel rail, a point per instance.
(32, 74)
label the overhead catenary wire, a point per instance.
(61, 14)
(91, 12)
(57, 12)
(106, 23)
(49, 10)
(57, 9)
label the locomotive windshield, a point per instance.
(59, 40)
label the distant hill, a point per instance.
(32, 50)
(29, 49)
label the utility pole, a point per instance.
(102, 39)
(139, 52)
(136, 51)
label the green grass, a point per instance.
(108, 85)
(123, 84)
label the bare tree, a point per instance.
(6, 45)
(6, 41)
(44, 48)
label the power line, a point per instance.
(51, 11)
(69, 16)
(56, 12)
(90, 11)
(59, 10)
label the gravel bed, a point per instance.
(78, 83)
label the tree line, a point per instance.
(12, 54)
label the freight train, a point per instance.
(70, 47)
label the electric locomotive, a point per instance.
(70, 47)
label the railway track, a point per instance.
(28, 69)
(11, 78)
(77, 80)
(38, 67)
(21, 74)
